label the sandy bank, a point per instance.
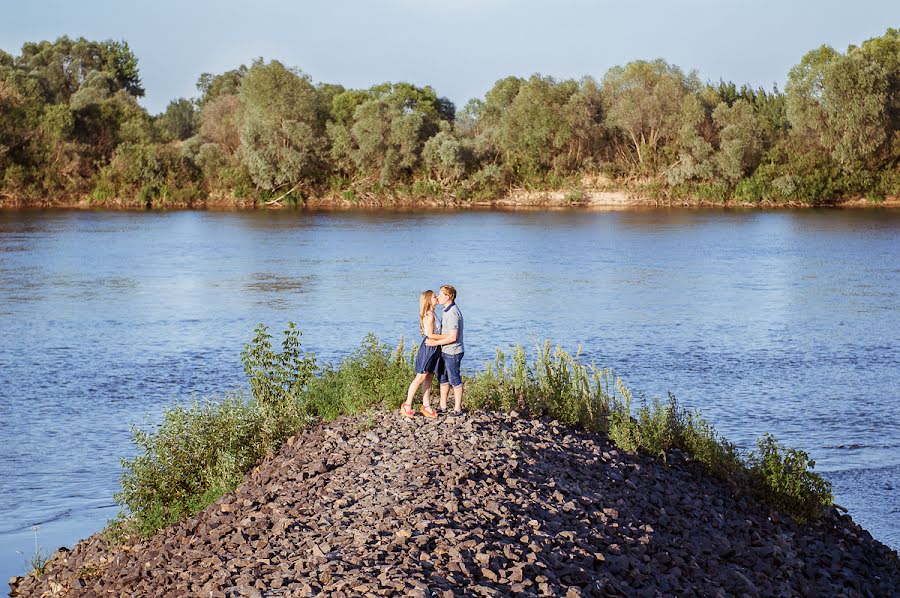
(587, 198)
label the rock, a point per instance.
(494, 505)
(488, 574)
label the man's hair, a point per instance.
(450, 290)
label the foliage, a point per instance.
(381, 132)
(849, 103)
(660, 427)
(67, 108)
(643, 102)
(277, 378)
(372, 375)
(202, 450)
(149, 175)
(281, 134)
(556, 384)
(37, 562)
(212, 87)
(783, 477)
(196, 454)
(180, 119)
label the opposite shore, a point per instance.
(604, 198)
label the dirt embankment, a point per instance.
(486, 505)
(602, 196)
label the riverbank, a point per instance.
(600, 198)
(490, 504)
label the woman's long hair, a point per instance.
(424, 308)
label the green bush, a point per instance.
(714, 192)
(372, 375)
(426, 189)
(889, 183)
(277, 379)
(783, 478)
(662, 426)
(195, 455)
(151, 174)
(753, 189)
(556, 384)
(201, 451)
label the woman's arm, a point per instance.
(435, 340)
(428, 325)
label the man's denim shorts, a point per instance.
(449, 372)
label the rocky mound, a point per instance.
(486, 505)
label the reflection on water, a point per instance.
(782, 321)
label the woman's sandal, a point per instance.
(407, 411)
(428, 411)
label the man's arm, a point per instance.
(451, 326)
(442, 339)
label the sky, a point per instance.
(458, 47)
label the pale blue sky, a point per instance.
(461, 47)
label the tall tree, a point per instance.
(63, 66)
(179, 119)
(849, 103)
(281, 135)
(643, 101)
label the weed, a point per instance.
(37, 562)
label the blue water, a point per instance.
(781, 321)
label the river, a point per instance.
(768, 321)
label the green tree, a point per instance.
(344, 105)
(282, 138)
(694, 150)
(849, 103)
(644, 101)
(220, 122)
(212, 86)
(741, 140)
(481, 118)
(446, 157)
(61, 67)
(381, 132)
(386, 140)
(180, 119)
(535, 128)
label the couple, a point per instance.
(440, 353)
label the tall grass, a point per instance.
(373, 375)
(201, 451)
(555, 384)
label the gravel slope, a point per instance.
(489, 504)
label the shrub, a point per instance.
(714, 192)
(195, 455)
(889, 183)
(277, 379)
(372, 375)
(753, 189)
(662, 426)
(783, 478)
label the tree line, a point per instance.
(71, 127)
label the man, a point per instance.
(452, 349)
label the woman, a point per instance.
(427, 359)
